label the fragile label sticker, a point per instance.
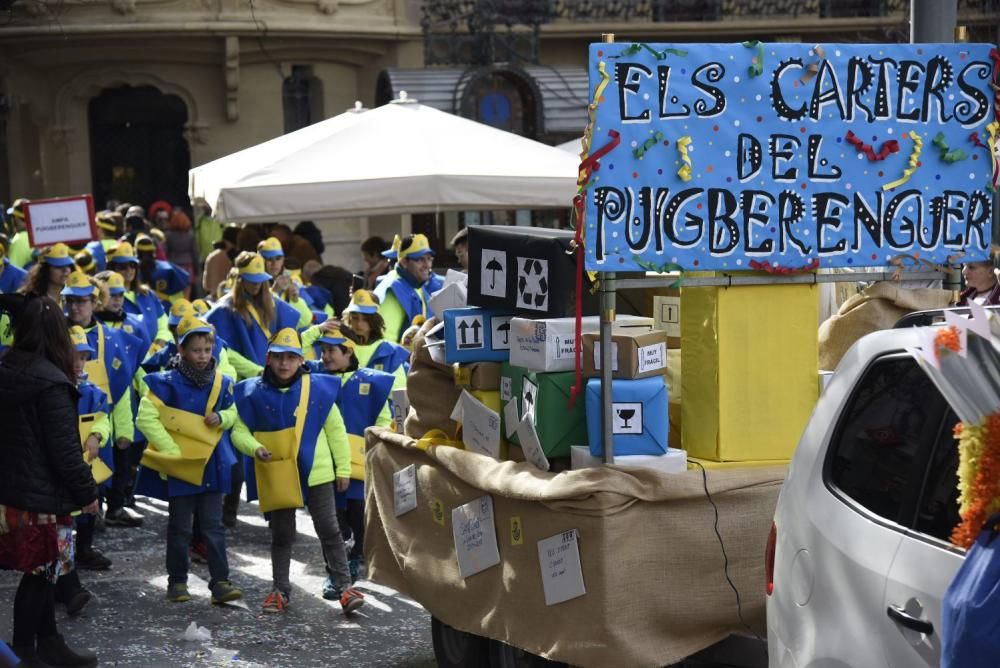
(469, 332)
(516, 531)
(653, 357)
(626, 418)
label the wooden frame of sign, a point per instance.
(68, 220)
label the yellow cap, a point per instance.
(106, 221)
(201, 307)
(191, 325)
(181, 309)
(115, 283)
(158, 234)
(270, 248)
(362, 301)
(123, 253)
(419, 246)
(144, 242)
(254, 270)
(79, 339)
(79, 285)
(57, 256)
(285, 341)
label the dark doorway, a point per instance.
(137, 146)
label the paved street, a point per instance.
(132, 624)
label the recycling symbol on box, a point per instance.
(533, 283)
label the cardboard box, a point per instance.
(476, 335)
(751, 357)
(674, 461)
(549, 344)
(526, 270)
(667, 316)
(452, 295)
(635, 354)
(546, 397)
(477, 376)
(640, 423)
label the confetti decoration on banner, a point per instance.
(991, 145)
(664, 268)
(888, 147)
(813, 68)
(904, 260)
(659, 55)
(948, 155)
(757, 62)
(977, 142)
(643, 148)
(592, 162)
(914, 163)
(683, 147)
(784, 271)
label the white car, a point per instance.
(859, 558)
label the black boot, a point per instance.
(71, 593)
(29, 658)
(54, 651)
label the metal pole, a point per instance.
(934, 21)
(607, 360)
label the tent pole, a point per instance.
(607, 359)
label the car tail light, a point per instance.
(772, 541)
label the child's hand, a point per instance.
(92, 445)
(263, 454)
(343, 484)
(213, 420)
(331, 326)
(92, 507)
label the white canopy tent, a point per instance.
(404, 158)
(574, 146)
(207, 180)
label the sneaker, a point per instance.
(178, 593)
(122, 518)
(351, 600)
(354, 565)
(54, 651)
(276, 602)
(331, 591)
(198, 551)
(92, 560)
(224, 591)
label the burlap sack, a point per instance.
(431, 390)
(878, 307)
(652, 564)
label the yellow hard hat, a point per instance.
(410, 247)
(362, 301)
(181, 309)
(270, 248)
(105, 220)
(286, 341)
(191, 325)
(79, 285)
(57, 255)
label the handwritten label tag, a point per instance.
(530, 444)
(510, 418)
(475, 535)
(516, 531)
(400, 408)
(480, 426)
(404, 484)
(506, 391)
(562, 575)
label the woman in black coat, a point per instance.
(43, 478)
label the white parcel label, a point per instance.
(404, 484)
(475, 535)
(614, 356)
(562, 574)
(530, 444)
(480, 426)
(652, 357)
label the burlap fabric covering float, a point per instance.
(431, 390)
(878, 307)
(652, 565)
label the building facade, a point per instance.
(120, 98)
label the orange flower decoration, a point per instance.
(979, 478)
(947, 338)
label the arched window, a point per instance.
(301, 98)
(501, 99)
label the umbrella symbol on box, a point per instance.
(493, 267)
(505, 328)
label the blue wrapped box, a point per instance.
(640, 422)
(476, 335)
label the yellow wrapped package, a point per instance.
(196, 439)
(279, 485)
(750, 359)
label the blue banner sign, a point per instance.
(789, 156)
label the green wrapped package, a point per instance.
(546, 396)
